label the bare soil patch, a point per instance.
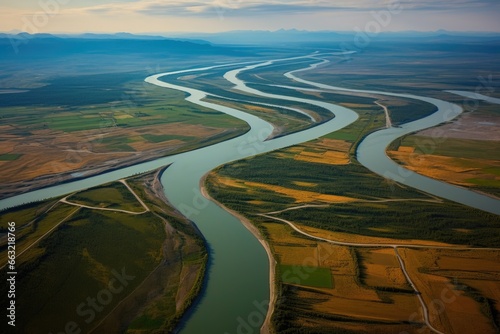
(477, 126)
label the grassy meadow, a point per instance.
(105, 270)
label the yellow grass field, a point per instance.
(442, 276)
(280, 233)
(312, 93)
(258, 108)
(406, 149)
(382, 269)
(301, 196)
(321, 151)
(328, 157)
(358, 238)
(355, 105)
(449, 280)
(348, 298)
(359, 327)
(228, 182)
(123, 116)
(295, 255)
(305, 184)
(401, 309)
(449, 169)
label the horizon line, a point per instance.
(16, 32)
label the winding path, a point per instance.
(425, 310)
(78, 207)
(388, 122)
(146, 209)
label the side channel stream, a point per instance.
(237, 293)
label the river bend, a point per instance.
(237, 291)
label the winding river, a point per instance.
(236, 296)
(372, 150)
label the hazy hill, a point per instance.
(289, 37)
(26, 46)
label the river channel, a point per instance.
(236, 295)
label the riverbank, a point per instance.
(266, 326)
(91, 166)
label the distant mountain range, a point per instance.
(43, 45)
(120, 35)
(27, 46)
(282, 37)
(255, 37)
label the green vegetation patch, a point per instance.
(146, 323)
(484, 182)
(103, 109)
(351, 180)
(416, 220)
(72, 123)
(438, 221)
(10, 157)
(287, 120)
(370, 119)
(317, 277)
(32, 222)
(21, 215)
(110, 196)
(162, 314)
(410, 110)
(454, 147)
(112, 260)
(79, 261)
(161, 138)
(116, 144)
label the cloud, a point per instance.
(433, 5)
(204, 8)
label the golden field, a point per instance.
(447, 280)
(450, 169)
(350, 298)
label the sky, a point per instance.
(164, 16)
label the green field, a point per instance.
(96, 115)
(91, 247)
(311, 276)
(23, 214)
(454, 147)
(9, 157)
(143, 106)
(442, 222)
(110, 196)
(286, 121)
(418, 220)
(161, 138)
(32, 223)
(116, 260)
